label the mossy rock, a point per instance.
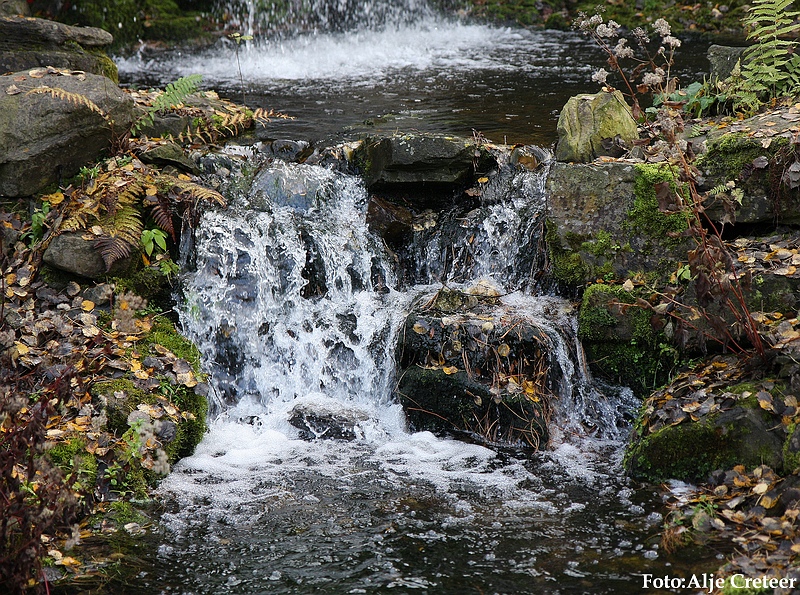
(689, 451)
(620, 341)
(604, 222)
(589, 121)
(756, 170)
(454, 403)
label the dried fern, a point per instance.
(70, 97)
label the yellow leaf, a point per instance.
(482, 180)
(503, 350)
(151, 191)
(187, 379)
(136, 365)
(54, 199)
(87, 305)
(184, 177)
(22, 349)
(141, 374)
(449, 370)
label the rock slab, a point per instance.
(51, 125)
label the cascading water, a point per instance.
(295, 306)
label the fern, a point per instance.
(123, 232)
(190, 191)
(770, 66)
(161, 211)
(173, 96)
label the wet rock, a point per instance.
(30, 43)
(604, 219)
(466, 367)
(409, 160)
(691, 450)
(391, 222)
(286, 150)
(169, 154)
(722, 59)
(71, 253)
(45, 138)
(320, 422)
(587, 121)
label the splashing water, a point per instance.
(294, 303)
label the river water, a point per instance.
(258, 509)
(431, 74)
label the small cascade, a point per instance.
(502, 239)
(290, 298)
(309, 480)
(297, 308)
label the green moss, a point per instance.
(688, 451)
(567, 266)
(122, 397)
(620, 342)
(164, 333)
(645, 219)
(122, 513)
(791, 459)
(147, 282)
(130, 20)
(71, 457)
(107, 65)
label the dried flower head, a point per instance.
(671, 41)
(661, 26)
(600, 76)
(610, 29)
(621, 50)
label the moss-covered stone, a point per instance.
(690, 451)
(73, 459)
(745, 434)
(619, 339)
(604, 223)
(733, 158)
(659, 230)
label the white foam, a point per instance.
(440, 46)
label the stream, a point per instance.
(260, 509)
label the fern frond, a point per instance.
(161, 211)
(122, 233)
(188, 190)
(112, 249)
(172, 97)
(69, 97)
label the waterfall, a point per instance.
(294, 302)
(289, 17)
(291, 297)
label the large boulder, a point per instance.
(72, 253)
(705, 420)
(30, 43)
(51, 125)
(592, 125)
